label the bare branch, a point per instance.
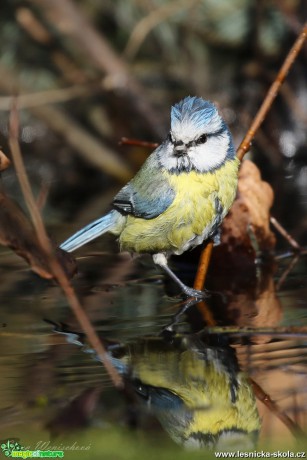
(53, 96)
(262, 112)
(285, 234)
(44, 241)
(152, 20)
(90, 148)
(66, 17)
(272, 93)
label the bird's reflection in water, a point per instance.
(194, 388)
(196, 391)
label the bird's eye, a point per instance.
(202, 139)
(142, 390)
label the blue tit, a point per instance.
(196, 391)
(180, 195)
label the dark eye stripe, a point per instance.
(202, 139)
(169, 137)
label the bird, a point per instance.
(196, 390)
(192, 384)
(180, 195)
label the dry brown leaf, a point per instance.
(257, 308)
(4, 161)
(250, 213)
(245, 229)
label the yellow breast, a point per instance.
(190, 218)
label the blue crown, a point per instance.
(193, 110)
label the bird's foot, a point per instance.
(161, 260)
(190, 292)
(169, 331)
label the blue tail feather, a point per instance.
(91, 231)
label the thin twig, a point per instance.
(294, 103)
(32, 25)
(285, 234)
(53, 96)
(262, 112)
(46, 246)
(24, 181)
(67, 18)
(203, 265)
(84, 143)
(199, 282)
(286, 255)
(39, 32)
(272, 93)
(152, 20)
(42, 195)
(138, 143)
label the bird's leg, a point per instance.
(168, 332)
(161, 260)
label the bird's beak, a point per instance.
(180, 149)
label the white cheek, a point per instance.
(211, 154)
(167, 159)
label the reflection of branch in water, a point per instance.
(288, 269)
(46, 246)
(290, 331)
(272, 406)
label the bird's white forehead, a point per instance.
(188, 129)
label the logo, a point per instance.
(12, 448)
(9, 446)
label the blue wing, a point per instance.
(148, 194)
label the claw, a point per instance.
(190, 292)
(161, 260)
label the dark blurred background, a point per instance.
(90, 72)
(87, 73)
